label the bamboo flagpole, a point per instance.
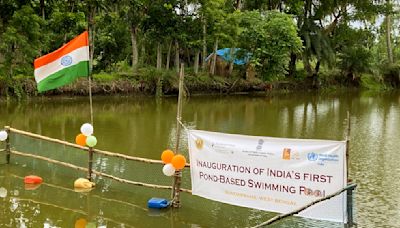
(178, 174)
(90, 72)
(91, 51)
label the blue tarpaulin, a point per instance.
(225, 54)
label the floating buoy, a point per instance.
(157, 203)
(32, 179)
(83, 183)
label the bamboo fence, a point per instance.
(88, 170)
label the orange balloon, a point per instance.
(80, 223)
(178, 161)
(167, 156)
(81, 140)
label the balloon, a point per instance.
(91, 141)
(3, 192)
(168, 170)
(80, 223)
(87, 129)
(3, 135)
(178, 161)
(167, 156)
(91, 225)
(80, 140)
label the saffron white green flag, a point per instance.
(64, 65)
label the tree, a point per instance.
(270, 37)
(134, 13)
(21, 42)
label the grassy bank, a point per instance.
(150, 81)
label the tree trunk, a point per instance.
(196, 62)
(177, 56)
(232, 54)
(239, 5)
(159, 56)
(135, 57)
(388, 35)
(214, 62)
(143, 52)
(204, 55)
(168, 55)
(292, 65)
(315, 80)
(307, 65)
(189, 63)
(42, 8)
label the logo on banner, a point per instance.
(260, 144)
(312, 156)
(199, 143)
(286, 154)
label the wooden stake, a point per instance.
(90, 165)
(349, 196)
(348, 145)
(8, 146)
(178, 174)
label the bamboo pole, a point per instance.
(349, 193)
(8, 145)
(96, 172)
(49, 160)
(282, 216)
(348, 145)
(178, 174)
(97, 151)
(92, 195)
(90, 165)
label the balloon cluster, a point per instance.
(85, 138)
(172, 162)
(3, 135)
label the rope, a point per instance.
(183, 125)
(282, 216)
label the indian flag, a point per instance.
(64, 65)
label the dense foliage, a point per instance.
(305, 41)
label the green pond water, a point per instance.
(144, 127)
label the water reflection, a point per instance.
(145, 126)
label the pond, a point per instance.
(145, 126)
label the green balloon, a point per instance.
(91, 141)
(91, 225)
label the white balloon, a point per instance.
(3, 135)
(3, 192)
(168, 169)
(87, 129)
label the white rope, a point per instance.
(183, 125)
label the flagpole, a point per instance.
(90, 70)
(90, 93)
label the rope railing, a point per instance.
(96, 172)
(102, 152)
(282, 216)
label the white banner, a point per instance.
(271, 174)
